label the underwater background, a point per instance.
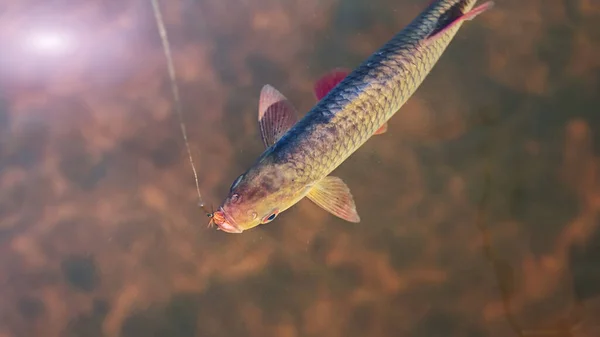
(480, 206)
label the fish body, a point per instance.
(353, 107)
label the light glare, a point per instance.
(49, 42)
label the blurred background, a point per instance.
(480, 206)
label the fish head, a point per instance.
(257, 197)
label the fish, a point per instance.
(352, 107)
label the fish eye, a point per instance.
(235, 198)
(270, 217)
(236, 182)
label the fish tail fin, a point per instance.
(455, 16)
(477, 10)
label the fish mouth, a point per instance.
(226, 222)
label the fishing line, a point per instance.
(175, 91)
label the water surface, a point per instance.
(480, 206)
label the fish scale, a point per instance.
(298, 163)
(366, 99)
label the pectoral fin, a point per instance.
(328, 81)
(276, 115)
(334, 196)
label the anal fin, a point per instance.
(383, 129)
